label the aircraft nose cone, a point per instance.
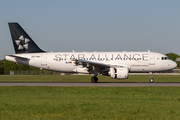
(173, 64)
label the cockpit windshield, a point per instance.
(164, 58)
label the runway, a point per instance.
(102, 84)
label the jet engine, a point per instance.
(118, 72)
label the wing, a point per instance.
(97, 66)
(90, 63)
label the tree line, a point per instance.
(6, 66)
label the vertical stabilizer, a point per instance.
(21, 40)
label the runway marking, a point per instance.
(62, 84)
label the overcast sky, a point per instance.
(94, 25)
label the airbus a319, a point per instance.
(117, 65)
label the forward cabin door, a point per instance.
(151, 59)
(44, 60)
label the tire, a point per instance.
(151, 80)
(94, 79)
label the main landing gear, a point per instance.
(151, 80)
(94, 79)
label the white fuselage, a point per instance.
(65, 61)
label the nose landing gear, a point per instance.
(151, 80)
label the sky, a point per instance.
(94, 25)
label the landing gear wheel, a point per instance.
(94, 79)
(151, 80)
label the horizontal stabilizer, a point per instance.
(14, 56)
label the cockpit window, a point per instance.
(164, 58)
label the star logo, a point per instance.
(20, 43)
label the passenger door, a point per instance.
(151, 59)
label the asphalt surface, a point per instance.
(105, 84)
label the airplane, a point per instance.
(117, 65)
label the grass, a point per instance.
(86, 103)
(85, 78)
(74, 103)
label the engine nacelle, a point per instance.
(119, 73)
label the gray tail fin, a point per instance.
(21, 40)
